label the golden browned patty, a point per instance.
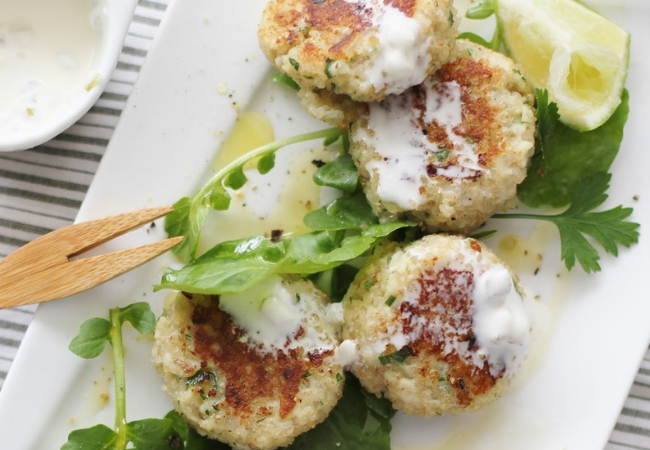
(231, 385)
(366, 49)
(439, 325)
(450, 152)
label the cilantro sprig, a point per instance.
(190, 213)
(579, 222)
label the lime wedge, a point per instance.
(580, 57)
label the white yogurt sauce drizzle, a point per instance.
(404, 152)
(48, 51)
(272, 317)
(402, 60)
(500, 320)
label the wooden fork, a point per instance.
(42, 270)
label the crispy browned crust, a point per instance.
(250, 375)
(497, 121)
(304, 37)
(482, 124)
(440, 292)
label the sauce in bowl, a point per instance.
(52, 64)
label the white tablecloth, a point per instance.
(42, 189)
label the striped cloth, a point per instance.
(42, 189)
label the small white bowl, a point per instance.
(34, 111)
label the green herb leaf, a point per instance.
(564, 156)
(92, 338)
(480, 10)
(200, 377)
(295, 64)
(398, 356)
(191, 214)
(186, 220)
(235, 266)
(152, 434)
(608, 228)
(329, 70)
(381, 407)
(266, 163)
(99, 437)
(343, 213)
(140, 316)
(340, 173)
(352, 424)
(285, 79)
(218, 199)
(335, 282)
(236, 178)
(475, 38)
(192, 439)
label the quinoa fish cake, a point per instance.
(253, 370)
(365, 49)
(450, 152)
(439, 324)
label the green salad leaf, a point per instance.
(340, 173)
(237, 265)
(190, 213)
(345, 212)
(98, 437)
(480, 10)
(93, 335)
(579, 222)
(147, 434)
(564, 156)
(360, 421)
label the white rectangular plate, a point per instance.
(206, 66)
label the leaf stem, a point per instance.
(115, 338)
(550, 218)
(327, 134)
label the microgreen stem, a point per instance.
(328, 134)
(115, 337)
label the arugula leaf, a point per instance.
(360, 421)
(235, 179)
(564, 156)
(266, 163)
(608, 228)
(343, 213)
(335, 282)
(235, 266)
(192, 212)
(340, 173)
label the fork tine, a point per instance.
(54, 248)
(80, 275)
(84, 236)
